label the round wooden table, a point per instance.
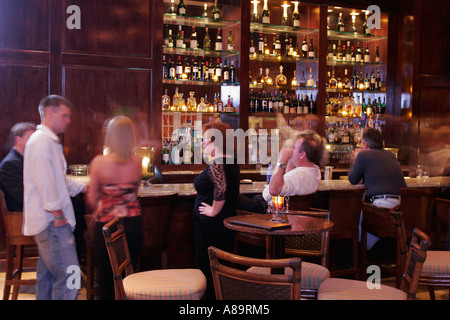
(300, 225)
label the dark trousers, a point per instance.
(133, 231)
(210, 234)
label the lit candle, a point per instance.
(278, 202)
(145, 162)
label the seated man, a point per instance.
(297, 172)
(379, 171)
(11, 167)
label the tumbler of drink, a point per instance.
(419, 171)
(278, 202)
(328, 174)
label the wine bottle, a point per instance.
(218, 71)
(366, 30)
(218, 44)
(230, 44)
(205, 11)
(179, 68)
(207, 41)
(367, 54)
(193, 42)
(181, 8)
(165, 69)
(304, 48)
(226, 73)
(295, 15)
(180, 38)
(340, 25)
(265, 15)
(311, 54)
(358, 53)
(172, 9)
(172, 69)
(215, 11)
(232, 72)
(195, 70)
(170, 39)
(377, 56)
(260, 44)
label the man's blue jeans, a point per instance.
(57, 252)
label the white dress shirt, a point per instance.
(46, 186)
(298, 181)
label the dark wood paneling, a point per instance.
(21, 89)
(97, 94)
(24, 24)
(118, 27)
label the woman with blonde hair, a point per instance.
(113, 192)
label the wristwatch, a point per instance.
(281, 165)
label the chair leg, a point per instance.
(355, 257)
(18, 267)
(10, 251)
(89, 273)
(431, 291)
(363, 263)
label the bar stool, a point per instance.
(15, 244)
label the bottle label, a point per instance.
(194, 44)
(266, 19)
(182, 11)
(218, 46)
(230, 47)
(297, 23)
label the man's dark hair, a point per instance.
(373, 138)
(310, 147)
(54, 101)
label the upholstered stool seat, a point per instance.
(312, 275)
(437, 264)
(348, 289)
(166, 284)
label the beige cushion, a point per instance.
(437, 263)
(166, 284)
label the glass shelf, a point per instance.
(198, 82)
(345, 90)
(276, 29)
(332, 62)
(197, 21)
(199, 52)
(335, 35)
(274, 58)
(286, 87)
(165, 112)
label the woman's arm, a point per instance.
(94, 184)
(211, 211)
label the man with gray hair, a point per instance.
(48, 211)
(11, 167)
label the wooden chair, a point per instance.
(347, 289)
(436, 268)
(92, 290)
(440, 224)
(156, 217)
(15, 247)
(232, 283)
(166, 284)
(345, 207)
(299, 203)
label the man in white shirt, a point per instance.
(48, 211)
(296, 172)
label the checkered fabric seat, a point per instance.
(437, 264)
(167, 284)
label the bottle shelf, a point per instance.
(273, 58)
(197, 21)
(199, 52)
(337, 35)
(346, 90)
(198, 82)
(166, 112)
(274, 86)
(277, 29)
(334, 63)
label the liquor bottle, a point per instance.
(367, 54)
(172, 9)
(215, 11)
(260, 44)
(170, 43)
(260, 78)
(180, 38)
(205, 11)
(230, 44)
(218, 44)
(372, 82)
(358, 53)
(287, 103)
(340, 25)
(333, 81)
(165, 156)
(229, 105)
(232, 72)
(354, 82)
(346, 81)
(329, 50)
(277, 52)
(252, 49)
(311, 82)
(255, 16)
(353, 59)
(281, 80)
(251, 102)
(165, 69)
(265, 15)
(339, 51)
(267, 78)
(354, 24)
(172, 69)
(367, 83)
(334, 52)
(348, 53)
(181, 8)
(219, 103)
(366, 30)
(226, 73)
(266, 50)
(378, 81)
(264, 102)
(312, 105)
(291, 48)
(250, 78)
(207, 41)
(292, 106)
(311, 54)
(295, 15)
(303, 80)
(286, 46)
(193, 41)
(218, 71)
(211, 71)
(179, 68)
(284, 17)
(304, 48)
(294, 81)
(165, 101)
(187, 69)
(377, 56)
(195, 70)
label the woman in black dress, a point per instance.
(217, 191)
